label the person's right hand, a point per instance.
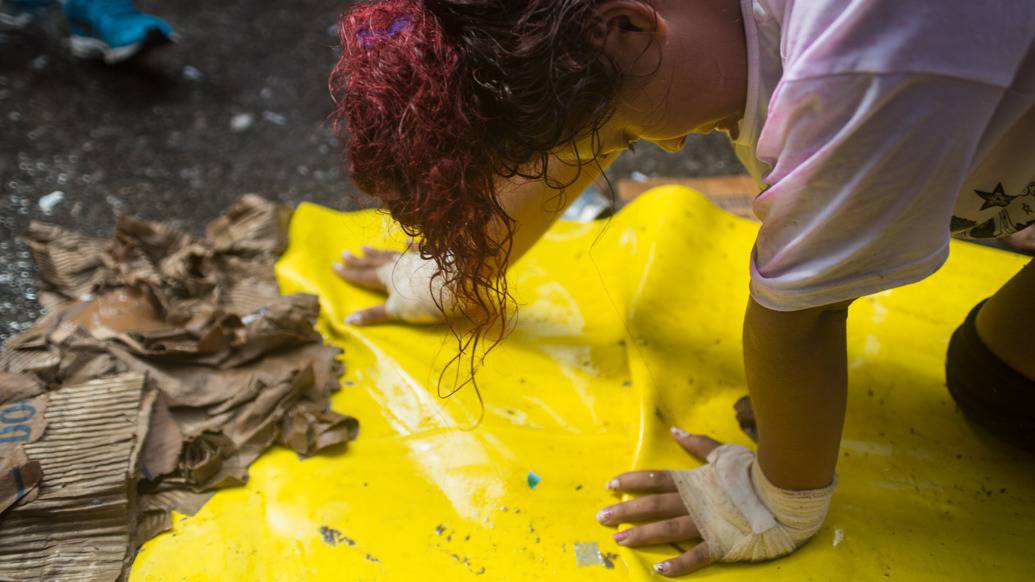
(728, 503)
(408, 280)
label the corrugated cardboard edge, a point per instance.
(82, 523)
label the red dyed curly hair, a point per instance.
(438, 100)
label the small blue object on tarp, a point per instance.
(533, 480)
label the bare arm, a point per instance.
(533, 204)
(796, 372)
(796, 365)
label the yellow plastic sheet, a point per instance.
(626, 327)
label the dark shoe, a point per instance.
(990, 393)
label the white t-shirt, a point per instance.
(878, 128)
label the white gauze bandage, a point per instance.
(741, 515)
(413, 288)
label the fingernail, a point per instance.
(613, 484)
(347, 255)
(354, 319)
(679, 432)
(620, 536)
(603, 515)
(661, 567)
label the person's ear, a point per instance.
(626, 29)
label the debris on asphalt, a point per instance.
(48, 202)
(191, 73)
(241, 121)
(274, 118)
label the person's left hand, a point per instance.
(661, 512)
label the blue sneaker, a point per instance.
(113, 30)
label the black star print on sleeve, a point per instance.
(996, 197)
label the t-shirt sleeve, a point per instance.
(865, 174)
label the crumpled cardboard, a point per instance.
(224, 367)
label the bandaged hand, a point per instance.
(728, 504)
(408, 280)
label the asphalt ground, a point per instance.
(239, 105)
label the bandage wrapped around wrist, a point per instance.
(741, 515)
(413, 288)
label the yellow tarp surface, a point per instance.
(626, 327)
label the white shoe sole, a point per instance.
(85, 47)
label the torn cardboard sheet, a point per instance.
(79, 525)
(21, 421)
(233, 366)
